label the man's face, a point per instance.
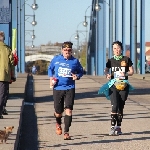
(117, 50)
(66, 52)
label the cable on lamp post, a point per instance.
(71, 36)
(30, 42)
(33, 22)
(77, 38)
(33, 35)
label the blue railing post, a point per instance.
(14, 25)
(110, 27)
(123, 27)
(104, 34)
(133, 33)
(18, 34)
(22, 59)
(100, 41)
(142, 37)
(117, 20)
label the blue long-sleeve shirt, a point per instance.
(62, 68)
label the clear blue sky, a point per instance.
(57, 20)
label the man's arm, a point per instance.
(79, 70)
(51, 72)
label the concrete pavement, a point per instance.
(14, 108)
(91, 117)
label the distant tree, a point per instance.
(82, 55)
(41, 66)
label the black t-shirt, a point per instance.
(119, 65)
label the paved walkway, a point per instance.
(14, 107)
(91, 117)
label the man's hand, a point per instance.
(13, 79)
(74, 76)
(51, 84)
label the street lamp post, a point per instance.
(85, 24)
(77, 38)
(21, 30)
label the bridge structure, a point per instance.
(41, 53)
(12, 17)
(38, 57)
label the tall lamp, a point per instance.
(85, 24)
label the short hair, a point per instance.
(67, 44)
(2, 36)
(118, 43)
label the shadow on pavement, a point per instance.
(28, 139)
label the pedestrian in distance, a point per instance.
(63, 70)
(34, 70)
(7, 71)
(117, 70)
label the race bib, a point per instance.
(117, 75)
(64, 72)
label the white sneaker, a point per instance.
(112, 131)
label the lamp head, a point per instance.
(34, 6)
(34, 23)
(77, 37)
(97, 7)
(85, 24)
(33, 36)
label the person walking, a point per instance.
(7, 70)
(63, 70)
(34, 70)
(13, 79)
(118, 87)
